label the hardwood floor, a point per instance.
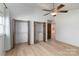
(49, 48)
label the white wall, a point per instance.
(67, 27)
(11, 30)
(7, 41)
(31, 32)
(1, 8)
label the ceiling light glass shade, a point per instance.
(54, 13)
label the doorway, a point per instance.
(21, 32)
(39, 32)
(49, 31)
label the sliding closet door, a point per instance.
(21, 32)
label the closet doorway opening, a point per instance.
(39, 32)
(21, 32)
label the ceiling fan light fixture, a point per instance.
(54, 13)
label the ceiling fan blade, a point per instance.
(64, 11)
(60, 6)
(54, 15)
(46, 10)
(46, 14)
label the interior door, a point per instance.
(21, 32)
(49, 31)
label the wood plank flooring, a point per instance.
(48, 48)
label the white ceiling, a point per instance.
(35, 9)
(29, 10)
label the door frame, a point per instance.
(14, 32)
(44, 30)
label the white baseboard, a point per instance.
(69, 43)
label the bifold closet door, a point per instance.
(21, 32)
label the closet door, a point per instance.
(21, 32)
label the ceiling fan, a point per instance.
(55, 11)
